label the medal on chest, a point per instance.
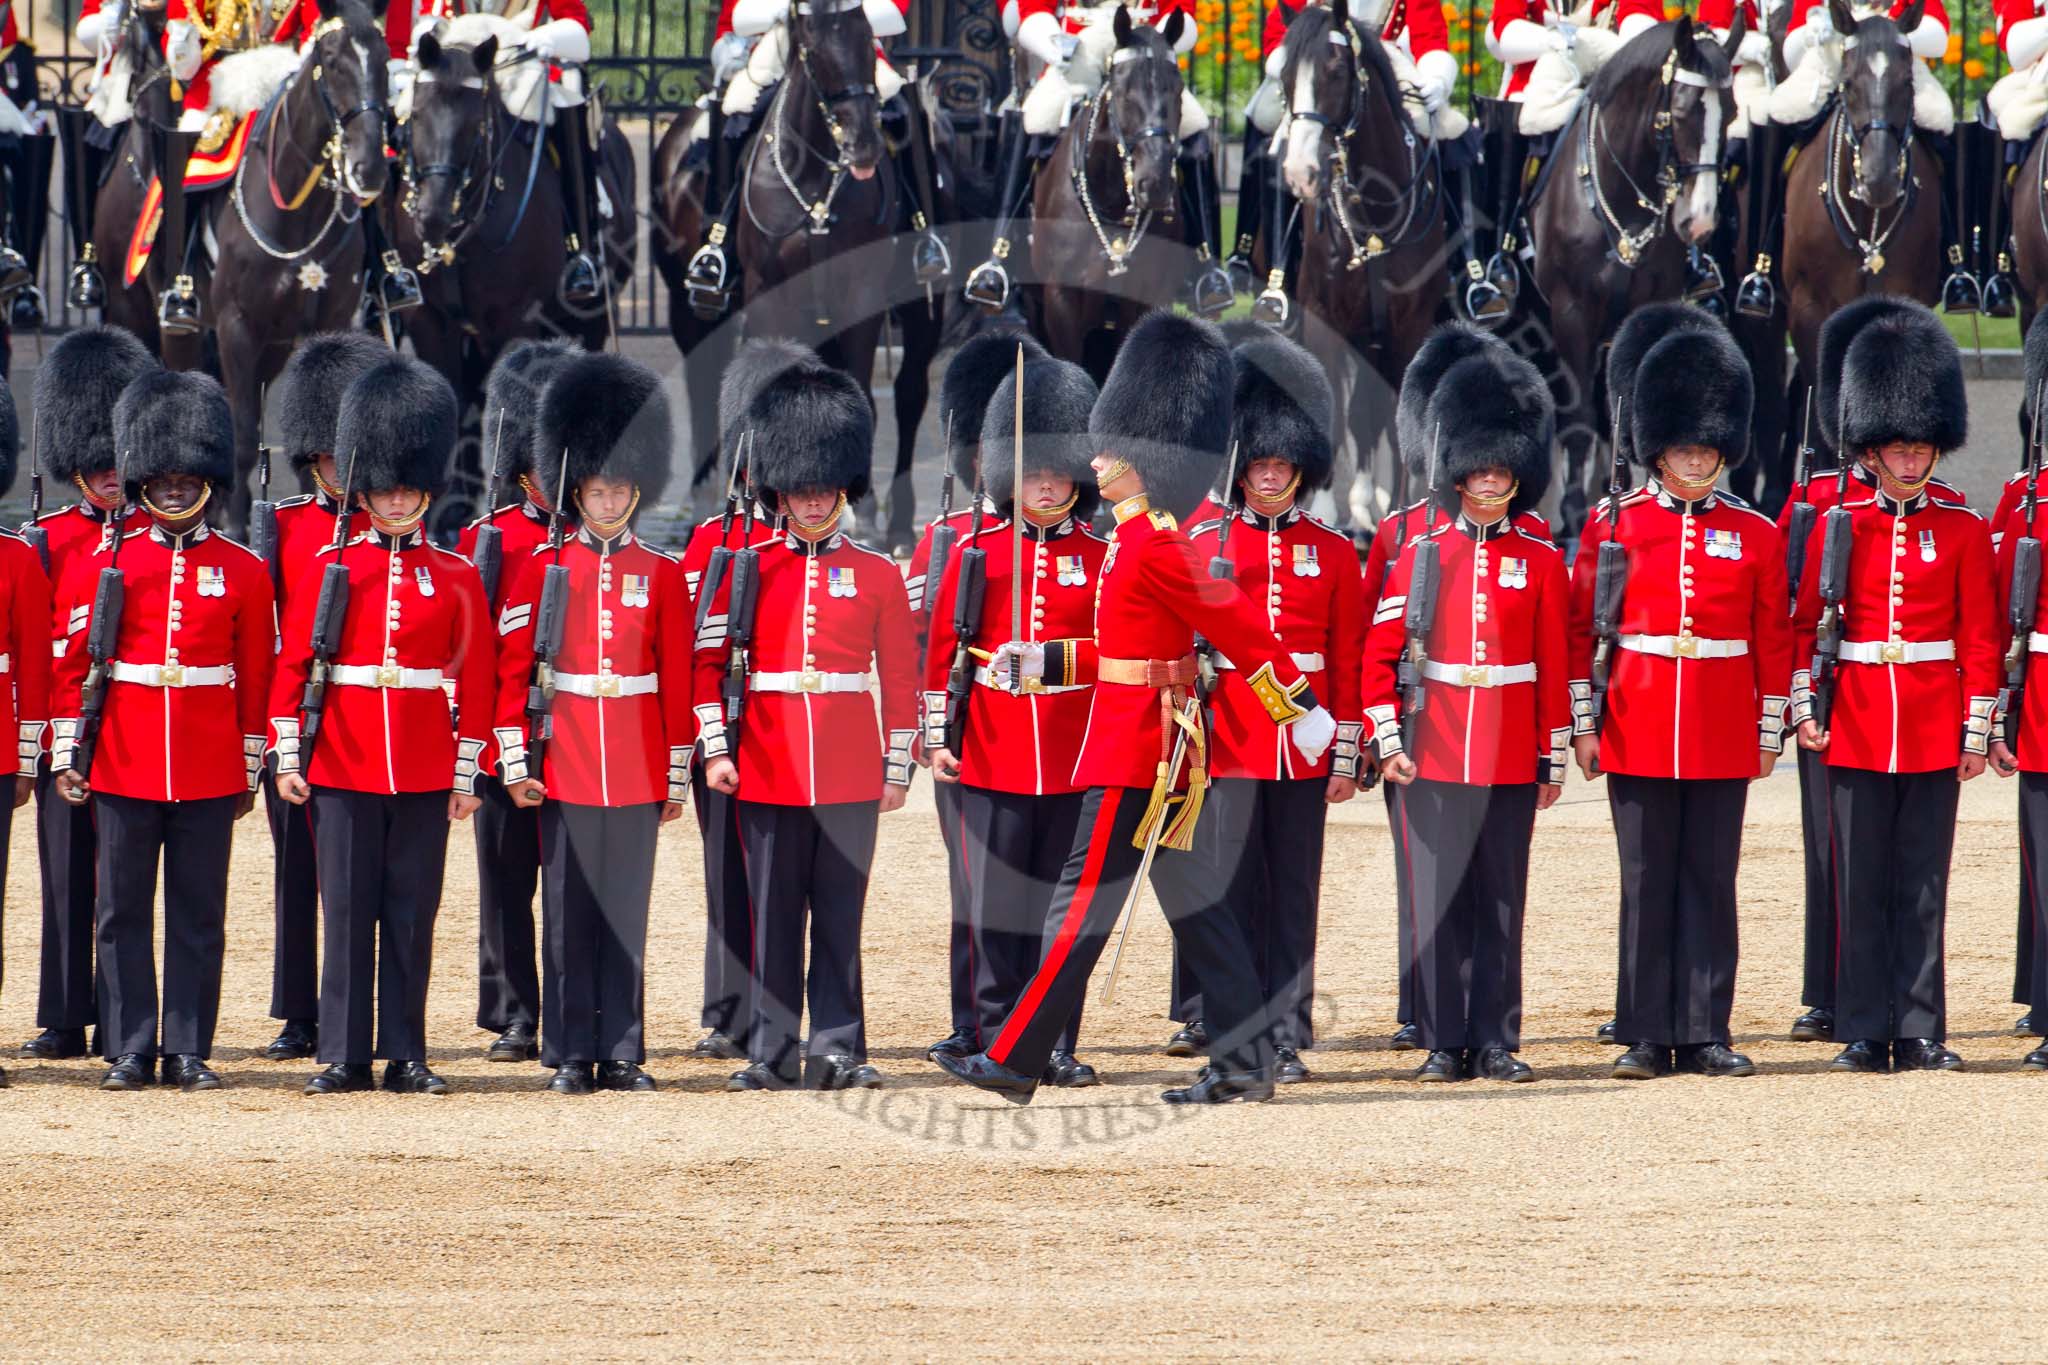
(1070, 570)
(839, 582)
(1927, 547)
(1514, 573)
(1305, 563)
(1723, 544)
(634, 591)
(425, 578)
(213, 582)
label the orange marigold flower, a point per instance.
(1974, 69)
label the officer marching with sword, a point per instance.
(1159, 429)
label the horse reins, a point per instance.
(1623, 245)
(328, 168)
(817, 212)
(1117, 250)
(1841, 133)
(494, 151)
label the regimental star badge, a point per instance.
(312, 276)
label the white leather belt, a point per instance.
(607, 684)
(6, 663)
(387, 676)
(1683, 646)
(1307, 663)
(1479, 675)
(1897, 651)
(1032, 686)
(2037, 642)
(807, 681)
(171, 675)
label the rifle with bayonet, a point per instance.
(1610, 580)
(741, 601)
(969, 590)
(1838, 535)
(488, 553)
(550, 621)
(1220, 568)
(32, 531)
(1425, 575)
(263, 512)
(329, 614)
(109, 597)
(2025, 595)
(944, 533)
(720, 562)
(1799, 528)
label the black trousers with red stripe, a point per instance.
(66, 857)
(2029, 971)
(728, 918)
(1468, 864)
(381, 863)
(2033, 968)
(1012, 849)
(507, 874)
(1404, 913)
(1893, 834)
(192, 840)
(1099, 870)
(597, 878)
(1815, 828)
(295, 909)
(963, 986)
(1680, 840)
(1258, 852)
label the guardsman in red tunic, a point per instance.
(392, 760)
(1008, 757)
(1911, 702)
(176, 755)
(76, 388)
(1258, 849)
(1696, 675)
(810, 767)
(24, 650)
(308, 392)
(1486, 750)
(1817, 1022)
(977, 367)
(1414, 440)
(508, 843)
(2030, 963)
(614, 769)
(1159, 430)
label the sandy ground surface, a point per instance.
(1796, 1214)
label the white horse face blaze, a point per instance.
(1697, 209)
(1304, 136)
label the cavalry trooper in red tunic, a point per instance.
(174, 760)
(978, 366)
(308, 392)
(1008, 755)
(811, 768)
(614, 769)
(1907, 716)
(1694, 679)
(1159, 430)
(1485, 749)
(1259, 844)
(24, 651)
(508, 846)
(76, 388)
(1414, 440)
(391, 762)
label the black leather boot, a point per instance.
(580, 283)
(1210, 291)
(988, 284)
(177, 308)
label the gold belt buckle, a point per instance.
(387, 675)
(1894, 652)
(1475, 675)
(810, 680)
(1034, 685)
(172, 675)
(1686, 647)
(607, 684)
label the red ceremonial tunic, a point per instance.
(1720, 15)
(825, 614)
(1802, 9)
(622, 681)
(416, 622)
(2032, 756)
(522, 528)
(1502, 604)
(705, 538)
(305, 527)
(297, 26)
(1701, 676)
(24, 650)
(1412, 521)
(1305, 580)
(1420, 21)
(183, 719)
(1920, 580)
(1022, 742)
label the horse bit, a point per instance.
(329, 168)
(1628, 246)
(819, 211)
(1342, 188)
(1134, 223)
(1870, 248)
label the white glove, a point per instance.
(1521, 41)
(182, 53)
(729, 56)
(2024, 42)
(1276, 63)
(437, 27)
(754, 17)
(1817, 29)
(94, 27)
(1930, 40)
(1436, 74)
(1634, 24)
(883, 17)
(559, 40)
(1753, 50)
(1039, 35)
(1015, 659)
(1313, 732)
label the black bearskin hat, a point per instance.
(1639, 332)
(1165, 408)
(310, 388)
(752, 366)
(813, 428)
(981, 363)
(1058, 397)
(1494, 412)
(77, 385)
(605, 415)
(10, 440)
(1692, 388)
(1282, 408)
(396, 428)
(174, 422)
(1441, 349)
(1836, 333)
(1902, 380)
(512, 397)
(2036, 357)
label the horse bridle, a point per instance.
(1843, 133)
(818, 211)
(487, 157)
(1118, 249)
(1625, 246)
(329, 167)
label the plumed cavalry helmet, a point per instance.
(396, 428)
(173, 422)
(1840, 329)
(1678, 378)
(608, 417)
(1058, 397)
(77, 385)
(970, 380)
(1902, 380)
(1282, 408)
(1493, 412)
(511, 398)
(1165, 408)
(1441, 349)
(310, 387)
(812, 428)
